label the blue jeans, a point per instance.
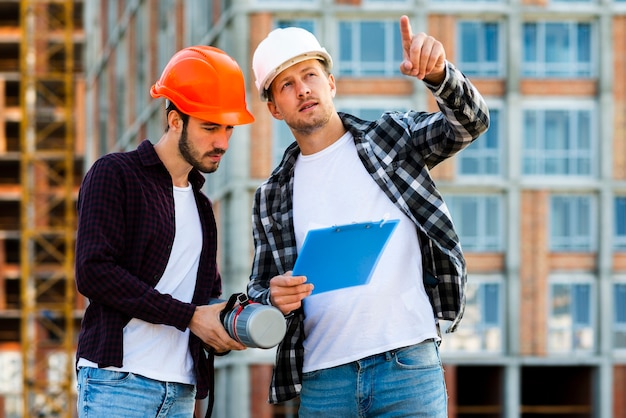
(407, 382)
(110, 394)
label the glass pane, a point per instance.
(620, 216)
(556, 132)
(559, 218)
(560, 340)
(584, 42)
(490, 138)
(557, 42)
(620, 303)
(581, 295)
(584, 216)
(492, 306)
(472, 309)
(397, 45)
(493, 339)
(469, 38)
(584, 129)
(491, 42)
(619, 338)
(345, 41)
(469, 165)
(530, 130)
(468, 211)
(372, 38)
(492, 216)
(530, 42)
(561, 305)
(583, 338)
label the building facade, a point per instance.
(539, 200)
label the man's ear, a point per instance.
(173, 120)
(274, 111)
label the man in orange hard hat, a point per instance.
(146, 251)
(370, 350)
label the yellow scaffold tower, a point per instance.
(47, 207)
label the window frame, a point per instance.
(497, 69)
(478, 152)
(482, 242)
(619, 239)
(356, 67)
(542, 154)
(571, 280)
(569, 243)
(572, 68)
(478, 332)
(618, 326)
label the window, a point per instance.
(619, 306)
(571, 226)
(479, 46)
(482, 157)
(557, 49)
(620, 223)
(369, 48)
(482, 328)
(558, 142)
(478, 221)
(570, 315)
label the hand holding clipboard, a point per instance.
(343, 255)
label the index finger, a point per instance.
(406, 33)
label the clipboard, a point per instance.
(344, 255)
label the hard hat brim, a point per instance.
(219, 116)
(226, 118)
(271, 76)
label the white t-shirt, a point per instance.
(332, 187)
(157, 351)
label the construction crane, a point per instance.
(47, 211)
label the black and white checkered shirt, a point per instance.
(397, 150)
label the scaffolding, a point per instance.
(47, 212)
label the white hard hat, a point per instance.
(281, 49)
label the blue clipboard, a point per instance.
(344, 255)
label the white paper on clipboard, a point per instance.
(344, 255)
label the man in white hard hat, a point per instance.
(370, 350)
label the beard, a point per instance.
(193, 156)
(310, 125)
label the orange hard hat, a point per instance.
(206, 83)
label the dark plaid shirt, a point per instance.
(397, 150)
(125, 234)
